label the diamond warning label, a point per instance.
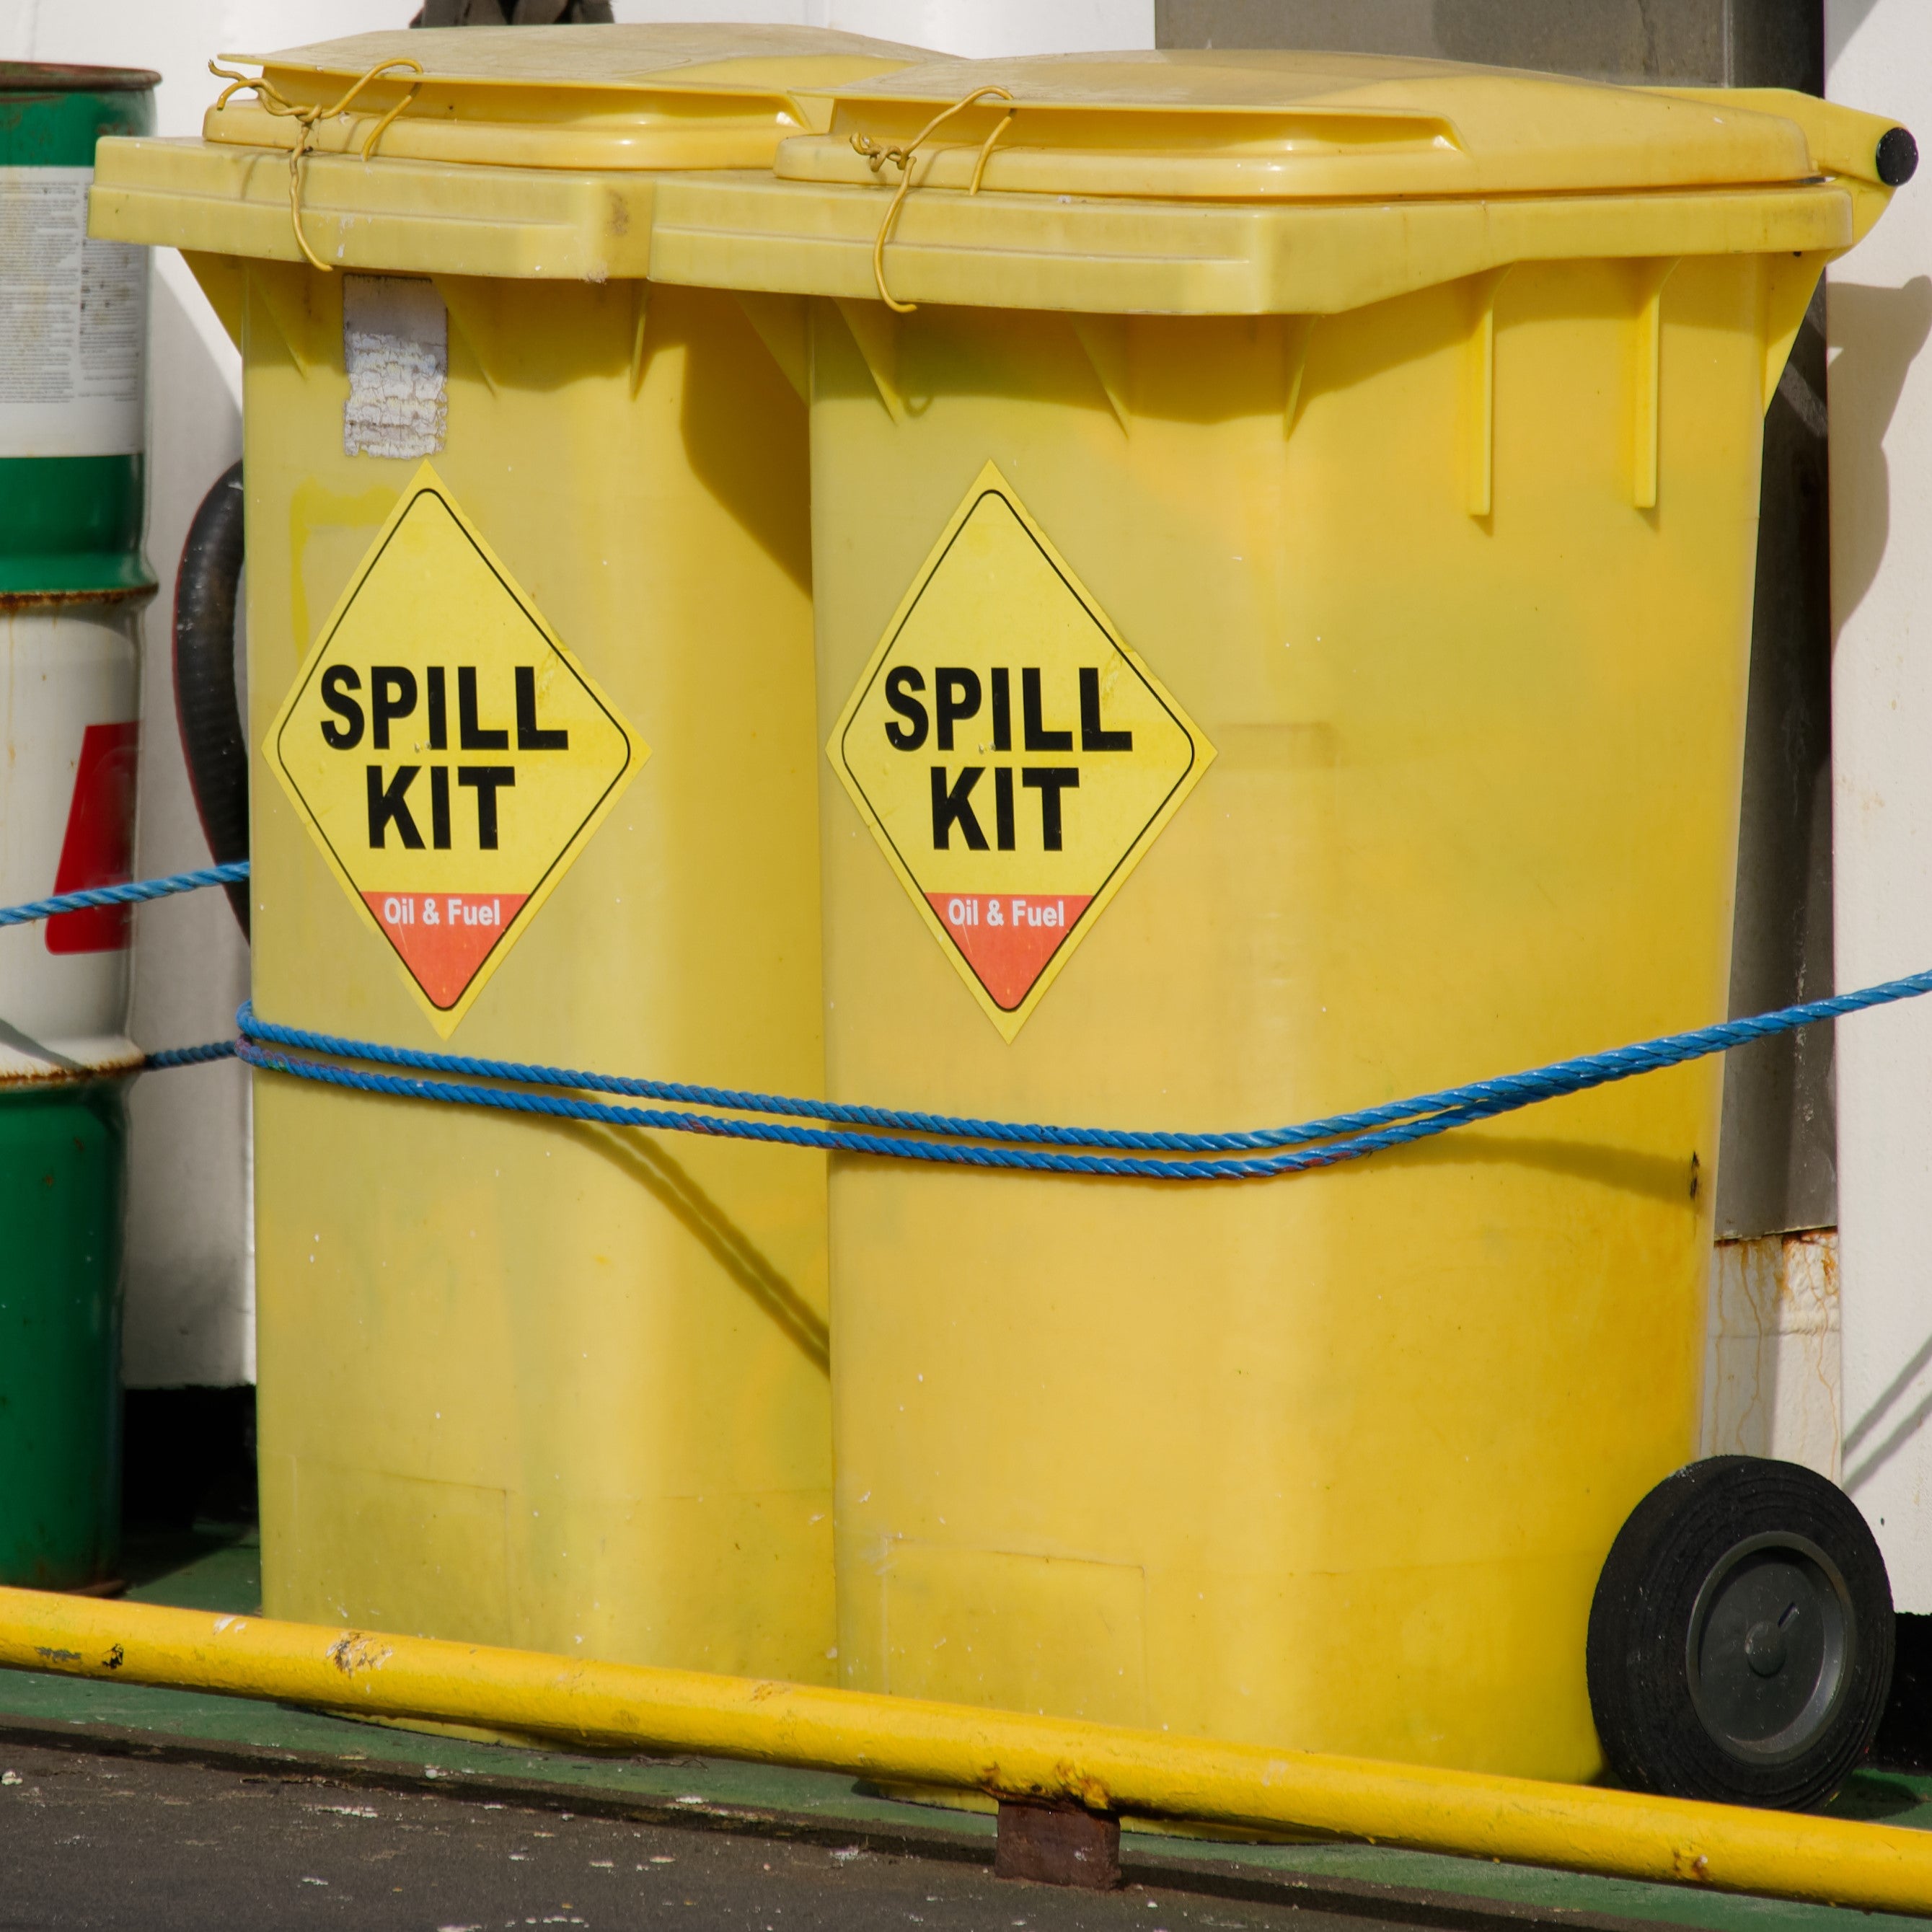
(1013, 757)
(449, 755)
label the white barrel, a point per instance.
(70, 707)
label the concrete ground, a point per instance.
(100, 1842)
(124, 1805)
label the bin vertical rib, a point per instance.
(1479, 384)
(1298, 332)
(1647, 386)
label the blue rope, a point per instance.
(188, 1056)
(1343, 1136)
(1478, 1100)
(137, 894)
(957, 1140)
(835, 1141)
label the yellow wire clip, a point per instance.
(311, 118)
(878, 155)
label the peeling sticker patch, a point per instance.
(395, 340)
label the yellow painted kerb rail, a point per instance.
(1877, 1867)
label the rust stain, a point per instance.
(1067, 1780)
(75, 1076)
(13, 603)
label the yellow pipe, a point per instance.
(1877, 1867)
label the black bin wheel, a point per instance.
(1741, 1640)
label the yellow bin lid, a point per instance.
(514, 151)
(1243, 182)
(594, 97)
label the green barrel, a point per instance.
(71, 518)
(72, 579)
(62, 1164)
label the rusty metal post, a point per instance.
(1058, 1844)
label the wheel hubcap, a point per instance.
(1770, 1647)
(1764, 1646)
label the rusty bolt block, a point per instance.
(1058, 1844)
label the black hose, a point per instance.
(206, 704)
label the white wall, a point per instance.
(190, 1287)
(1879, 57)
(979, 29)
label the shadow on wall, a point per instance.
(1586, 37)
(1888, 327)
(1711, 42)
(1842, 19)
(1873, 1439)
(1704, 42)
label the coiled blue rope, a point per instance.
(950, 1139)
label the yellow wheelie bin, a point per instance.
(530, 643)
(1283, 532)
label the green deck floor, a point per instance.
(211, 1570)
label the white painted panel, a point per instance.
(1879, 56)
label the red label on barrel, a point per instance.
(99, 847)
